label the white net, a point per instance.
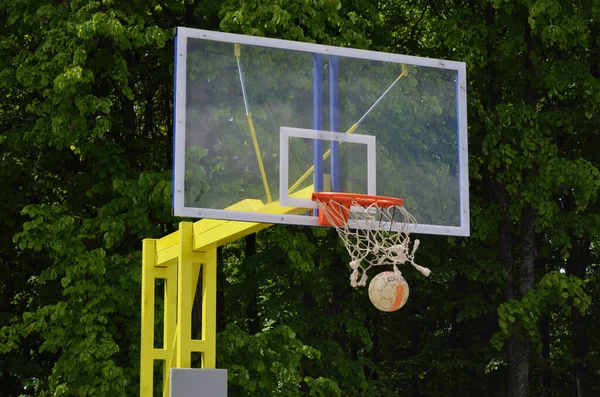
(373, 236)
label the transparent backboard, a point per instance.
(262, 123)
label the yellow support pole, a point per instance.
(147, 338)
(178, 258)
(209, 308)
(185, 297)
(170, 326)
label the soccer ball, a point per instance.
(388, 291)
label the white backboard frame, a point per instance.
(179, 208)
(284, 150)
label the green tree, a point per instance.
(85, 139)
(87, 122)
(533, 89)
(86, 103)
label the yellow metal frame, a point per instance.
(178, 259)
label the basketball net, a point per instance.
(373, 235)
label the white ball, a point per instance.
(388, 291)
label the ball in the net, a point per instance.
(388, 291)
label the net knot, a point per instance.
(363, 280)
(354, 278)
(398, 253)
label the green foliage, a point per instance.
(271, 360)
(85, 159)
(554, 291)
(271, 294)
(98, 181)
(327, 21)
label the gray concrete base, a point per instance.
(192, 382)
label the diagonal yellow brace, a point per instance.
(261, 167)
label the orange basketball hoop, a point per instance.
(337, 205)
(375, 230)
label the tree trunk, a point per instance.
(520, 344)
(580, 351)
(505, 253)
(415, 382)
(519, 366)
(520, 347)
(376, 349)
(545, 378)
(505, 242)
(577, 266)
(546, 374)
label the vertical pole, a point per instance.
(170, 326)
(181, 279)
(318, 120)
(185, 296)
(209, 308)
(173, 155)
(334, 123)
(462, 159)
(147, 337)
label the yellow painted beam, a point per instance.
(160, 354)
(147, 328)
(211, 233)
(161, 272)
(167, 257)
(208, 235)
(167, 249)
(198, 345)
(225, 233)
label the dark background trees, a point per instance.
(85, 138)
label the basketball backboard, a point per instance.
(262, 123)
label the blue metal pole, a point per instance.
(334, 122)
(175, 124)
(318, 120)
(460, 152)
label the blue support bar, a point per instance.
(460, 153)
(334, 122)
(174, 155)
(318, 120)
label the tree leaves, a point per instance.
(554, 291)
(85, 146)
